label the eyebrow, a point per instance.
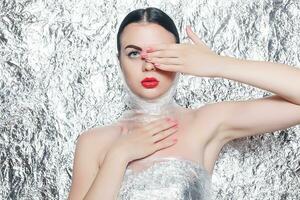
(133, 46)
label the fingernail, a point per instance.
(143, 54)
(168, 119)
(175, 140)
(171, 120)
(174, 120)
(156, 64)
(149, 49)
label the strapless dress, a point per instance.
(167, 178)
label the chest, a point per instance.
(188, 145)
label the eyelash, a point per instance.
(129, 54)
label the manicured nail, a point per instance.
(168, 119)
(171, 120)
(149, 49)
(144, 55)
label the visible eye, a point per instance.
(132, 52)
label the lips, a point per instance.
(149, 82)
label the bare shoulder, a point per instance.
(97, 140)
(90, 151)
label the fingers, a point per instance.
(164, 144)
(167, 61)
(155, 123)
(124, 130)
(161, 54)
(142, 141)
(159, 126)
(170, 68)
(163, 134)
(159, 47)
(194, 37)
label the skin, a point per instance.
(138, 36)
(136, 68)
(235, 119)
(203, 130)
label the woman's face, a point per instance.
(135, 38)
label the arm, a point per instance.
(109, 178)
(277, 78)
(247, 118)
(258, 116)
(89, 157)
(237, 119)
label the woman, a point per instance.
(158, 150)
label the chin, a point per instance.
(151, 97)
(153, 93)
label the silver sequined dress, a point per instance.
(168, 178)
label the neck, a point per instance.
(145, 109)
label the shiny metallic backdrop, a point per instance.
(58, 78)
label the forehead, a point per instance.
(145, 34)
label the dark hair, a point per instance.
(151, 15)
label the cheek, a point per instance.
(132, 68)
(133, 83)
(128, 70)
(131, 76)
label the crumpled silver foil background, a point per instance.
(58, 77)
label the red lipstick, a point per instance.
(149, 82)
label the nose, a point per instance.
(148, 66)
